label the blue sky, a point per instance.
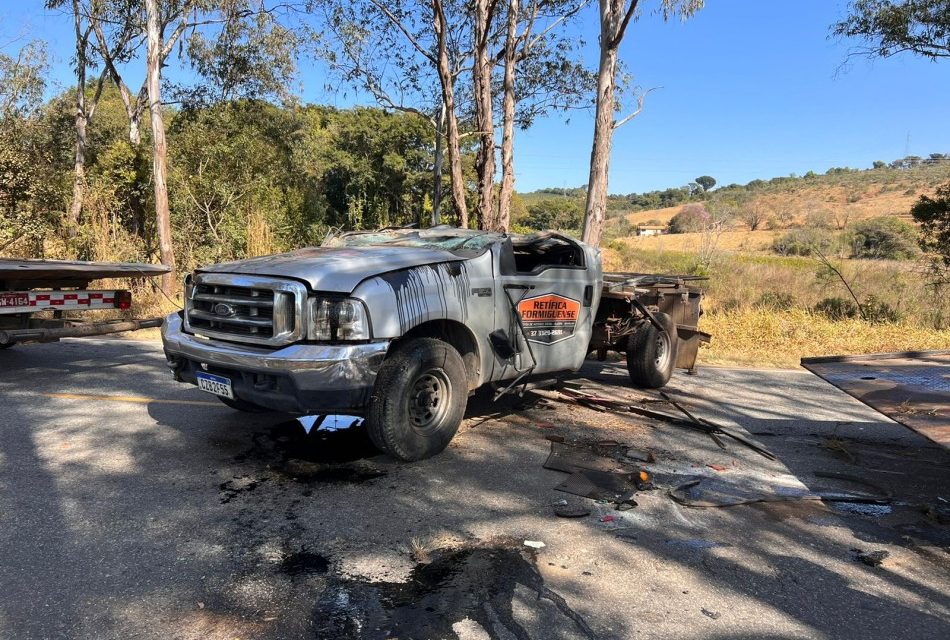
(750, 89)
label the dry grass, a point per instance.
(759, 307)
(759, 337)
(736, 240)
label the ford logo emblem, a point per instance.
(224, 310)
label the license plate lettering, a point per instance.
(217, 385)
(14, 299)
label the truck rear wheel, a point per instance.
(651, 353)
(419, 400)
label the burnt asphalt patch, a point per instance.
(477, 583)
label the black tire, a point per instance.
(418, 400)
(6, 345)
(651, 353)
(243, 405)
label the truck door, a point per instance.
(548, 290)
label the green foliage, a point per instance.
(803, 242)
(690, 219)
(889, 27)
(706, 182)
(876, 310)
(554, 213)
(883, 237)
(836, 308)
(933, 216)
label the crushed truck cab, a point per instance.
(398, 326)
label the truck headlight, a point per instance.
(337, 319)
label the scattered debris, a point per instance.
(715, 492)
(717, 467)
(871, 558)
(598, 485)
(607, 518)
(639, 455)
(571, 511)
(715, 615)
(534, 544)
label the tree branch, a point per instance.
(640, 99)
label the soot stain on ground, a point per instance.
(304, 563)
(236, 486)
(326, 457)
(476, 583)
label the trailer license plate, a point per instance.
(14, 300)
(218, 385)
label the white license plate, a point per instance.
(218, 385)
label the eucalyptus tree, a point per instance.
(615, 18)
(889, 27)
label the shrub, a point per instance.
(876, 310)
(692, 217)
(884, 237)
(552, 213)
(837, 308)
(803, 242)
(775, 300)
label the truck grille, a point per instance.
(251, 309)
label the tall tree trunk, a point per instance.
(508, 121)
(452, 137)
(596, 207)
(615, 15)
(159, 148)
(79, 156)
(437, 167)
(484, 118)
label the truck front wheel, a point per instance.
(418, 400)
(651, 353)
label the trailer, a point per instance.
(30, 287)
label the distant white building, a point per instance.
(650, 230)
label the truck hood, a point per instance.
(334, 269)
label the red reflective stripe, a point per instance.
(95, 295)
(110, 300)
(42, 296)
(70, 296)
(56, 302)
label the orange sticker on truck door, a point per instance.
(549, 318)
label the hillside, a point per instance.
(769, 309)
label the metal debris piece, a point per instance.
(715, 615)
(871, 558)
(714, 430)
(597, 485)
(534, 544)
(570, 458)
(716, 492)
(571, 511)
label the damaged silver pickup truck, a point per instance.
(400, 326)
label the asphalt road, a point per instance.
(135, 507)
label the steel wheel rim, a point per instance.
(429, 397)
(662, 358)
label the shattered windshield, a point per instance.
(455, 241)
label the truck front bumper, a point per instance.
(299, 378)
